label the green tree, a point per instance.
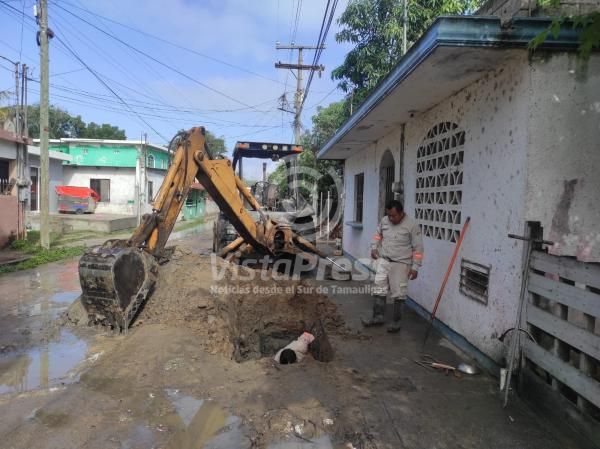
(63, 124)
(375, 27)
(324, 124)
(216, 144)
(104, 131)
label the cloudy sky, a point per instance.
(175, 63)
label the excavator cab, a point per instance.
(290, 208)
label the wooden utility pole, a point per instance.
(299, 96)
(300, 67)
(44, 128)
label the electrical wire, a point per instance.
(121, 100)
(181, 47)
(22, 26)
(99, 78)
(149, 67)
(112, 107)
(143, 53)
(94, 47)
(320, 45)
(146, 104)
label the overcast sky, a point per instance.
(224, 79)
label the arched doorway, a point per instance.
(387, 172)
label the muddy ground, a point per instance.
(195, 372)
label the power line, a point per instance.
(76, 56)
(96, 100)
(94, 47)
(109, 106)
(323, 99)
(131, 74)
(206, 86)
(320, 44)
(121, 100)
(22, 26)
(181, 47)
(155, 106)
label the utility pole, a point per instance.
(17, 102)
(299, 96)
(300, 67)
(44, 129)
(24, 122)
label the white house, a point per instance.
(471, 124)
(125, 173)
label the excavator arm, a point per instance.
(118, 276)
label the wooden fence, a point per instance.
(561, 369)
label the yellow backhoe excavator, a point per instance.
(117, 277)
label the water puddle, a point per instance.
(52, 307)
(66, 297)
(44, 366)
(141, 437)
(204, 424)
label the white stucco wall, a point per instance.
(493, 112)
(8, 149)
(56, 178)
(122, 186)
(563, 189)
(356, 241)
(157, 178)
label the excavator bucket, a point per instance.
(115, 281)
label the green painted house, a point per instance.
(125, 173)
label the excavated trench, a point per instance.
(241, 313)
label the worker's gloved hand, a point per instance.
(374, 254)
(412, 274)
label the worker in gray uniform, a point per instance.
(398, 249)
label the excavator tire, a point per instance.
(223, 233)
(115, 281)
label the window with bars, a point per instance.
(359, 187)
(389, 182)
(439, 182)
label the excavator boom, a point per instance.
(118, 276)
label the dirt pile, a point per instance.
(236, 311)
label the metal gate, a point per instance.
(561, 368)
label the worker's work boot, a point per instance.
(378, 317)
(396, 317)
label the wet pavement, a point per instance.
(155, 388)
(44, 366)
(35, 351)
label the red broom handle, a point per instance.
(456, 250)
